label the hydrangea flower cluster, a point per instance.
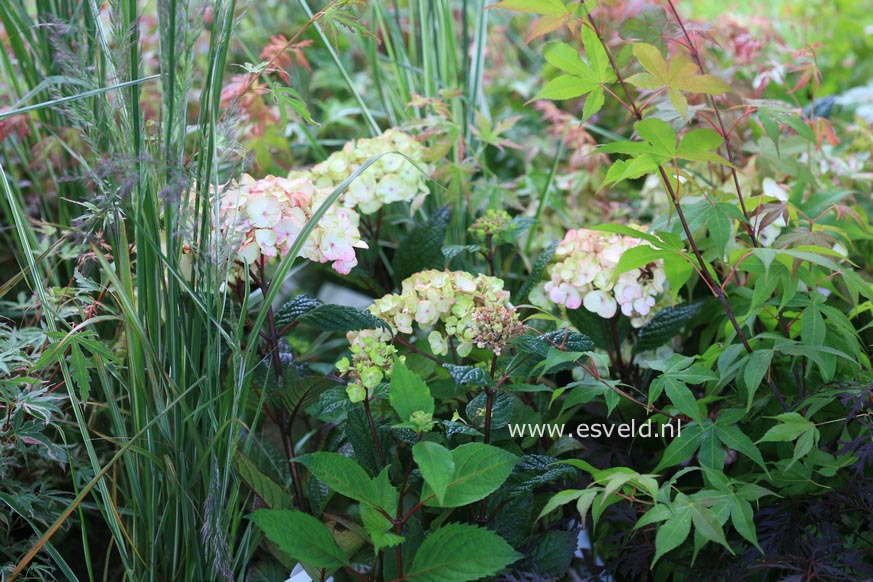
(372, 361)
(392, 178)
(468, 309)
(266, 216)
(584, 275)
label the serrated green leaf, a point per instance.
(699, 140)
(286, 96)
(707, 525)
(735, 439)
(468, 375)
(561, 339)
(378, 527)
(565, 87)
(683, 399)
(294, 308)
(671, 534)
(647, 26)
(637, 257)
(536, 272)
(652, 61)
(317, 548)
(341, 474)
(632, 169)
(409, 393)
(665, 325)
(562, 498)
(584, 503)
(501, 410)
(460, 553)
(566, 58)
(659, 134)
(436, 464)
(812, 326)
(591, 325)
(554, 552)
(479, 470)
(452, 251)
(711, 454)
(80, 371)
(658, 513)
(682, 447)
(340, 318)
(597, 57)
(791, 426)
(273, 494)
(593, 104)
(743, 518)
(756, 368)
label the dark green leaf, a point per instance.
(273, 494)
(316, 548)
(664, 326)
(501, 410)
(294, 308)
(536, 272)
(452, 251)
(468, 375)
(563, 339)
(421, 249)
(554, 552)
(341, 318)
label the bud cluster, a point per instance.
(372, 361)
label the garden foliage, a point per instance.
(553, 214)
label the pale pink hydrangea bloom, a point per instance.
(584, 275)
(265, 218)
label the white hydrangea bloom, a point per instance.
(392, 178)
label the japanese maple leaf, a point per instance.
(679, 76)
(284, 54)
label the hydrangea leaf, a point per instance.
(480, 470)
(317, 548)
(436, 465)
(409, 393)
(459, 553)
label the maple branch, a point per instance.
(725, 134)
(708, 277)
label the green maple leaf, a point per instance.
(658, 148)
(580, 77)
(679, 76)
